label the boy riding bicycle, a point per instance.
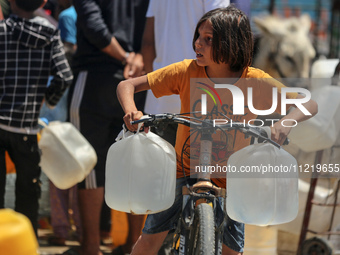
(223, 44)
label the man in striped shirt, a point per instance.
(30, 52)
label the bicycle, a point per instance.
(200, 225)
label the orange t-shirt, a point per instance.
(190, 81)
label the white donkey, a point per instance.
(285, 49)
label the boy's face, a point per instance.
(203, 44)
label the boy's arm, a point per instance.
(61, 72)
(125, 93)
(280, 131)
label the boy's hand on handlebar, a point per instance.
(131, 116)
(279, 133)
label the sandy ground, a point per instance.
(45, 249)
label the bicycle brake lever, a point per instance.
(252, 132)
(145, 119)
(261, 137)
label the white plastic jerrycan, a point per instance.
(67, 157)
(321, 131)
(140, 174)
(263, 189)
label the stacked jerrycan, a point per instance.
(321, 131)
(264, 188)
(140, 173)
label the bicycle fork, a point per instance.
(201, 193)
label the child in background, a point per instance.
(31, 51)
(223, 44)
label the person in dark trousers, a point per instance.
(30, 51)
(109, 34)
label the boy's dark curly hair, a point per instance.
(232, 41)
(29, 5)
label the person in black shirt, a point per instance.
(109, 34)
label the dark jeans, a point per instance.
(24, 152)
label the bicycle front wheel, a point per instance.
(202, 235)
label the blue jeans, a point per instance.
(233, 235)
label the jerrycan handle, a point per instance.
(141, 123)
(124, 133)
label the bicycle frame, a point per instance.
(203, 192)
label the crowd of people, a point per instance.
(103, 51)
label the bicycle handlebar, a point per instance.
(156, 119)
